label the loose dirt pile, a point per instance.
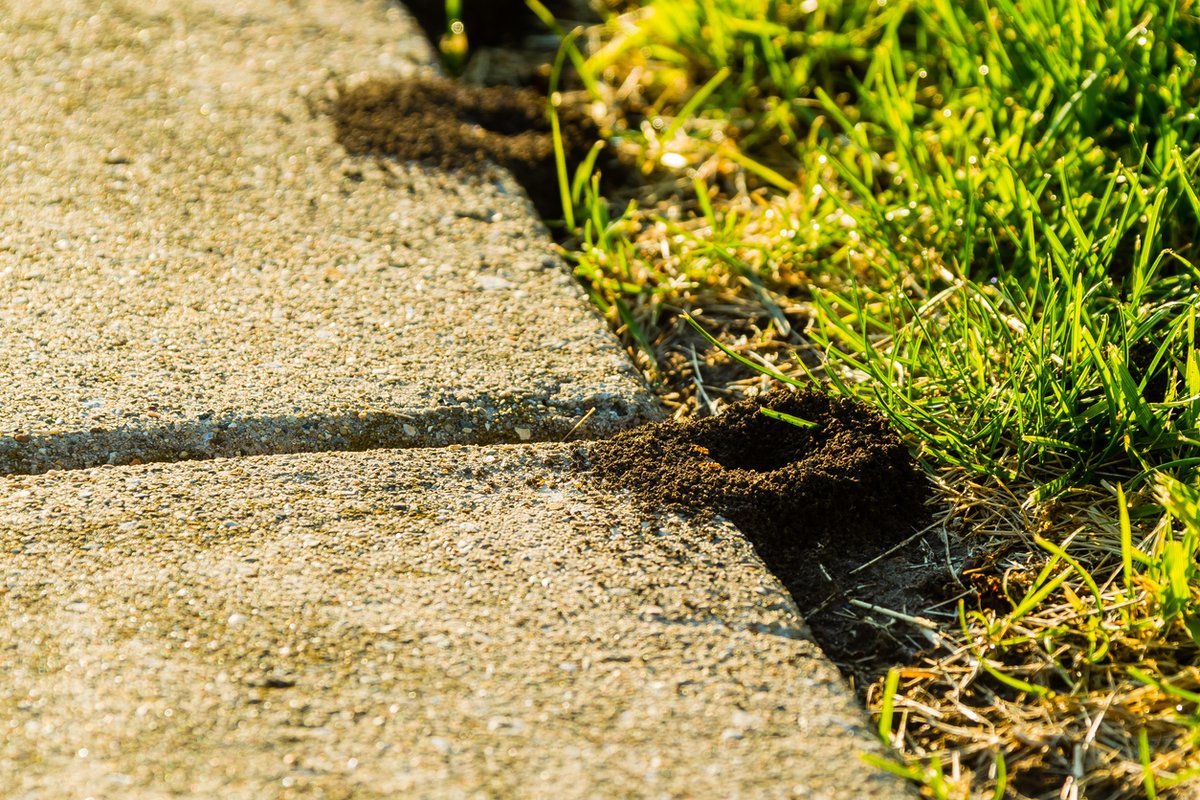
(456, 126)
(816, 502)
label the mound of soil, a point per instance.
(817, 503)
(456, 126)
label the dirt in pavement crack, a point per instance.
(455, 126)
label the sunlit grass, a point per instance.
(987, 213)
(453, 47)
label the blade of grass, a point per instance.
(788, 418)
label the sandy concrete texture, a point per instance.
(433, 623)
(191, 266)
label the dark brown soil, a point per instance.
(816, 503)
(455, 126)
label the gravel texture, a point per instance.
(458, 622)
(191, 266)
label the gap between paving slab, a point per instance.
(193, 267)
(457, 622)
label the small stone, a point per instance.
(744, 719)
(493, 282)
(505, 725)
(272, 680)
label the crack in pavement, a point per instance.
(528, 419)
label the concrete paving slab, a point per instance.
(190, 266)
(458, 622)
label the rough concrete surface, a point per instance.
(190, 265)
(458, 622)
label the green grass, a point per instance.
(453, 47)
(989, 210)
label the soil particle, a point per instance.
(817, 503)
(456, 126)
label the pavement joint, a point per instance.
(234, 436)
